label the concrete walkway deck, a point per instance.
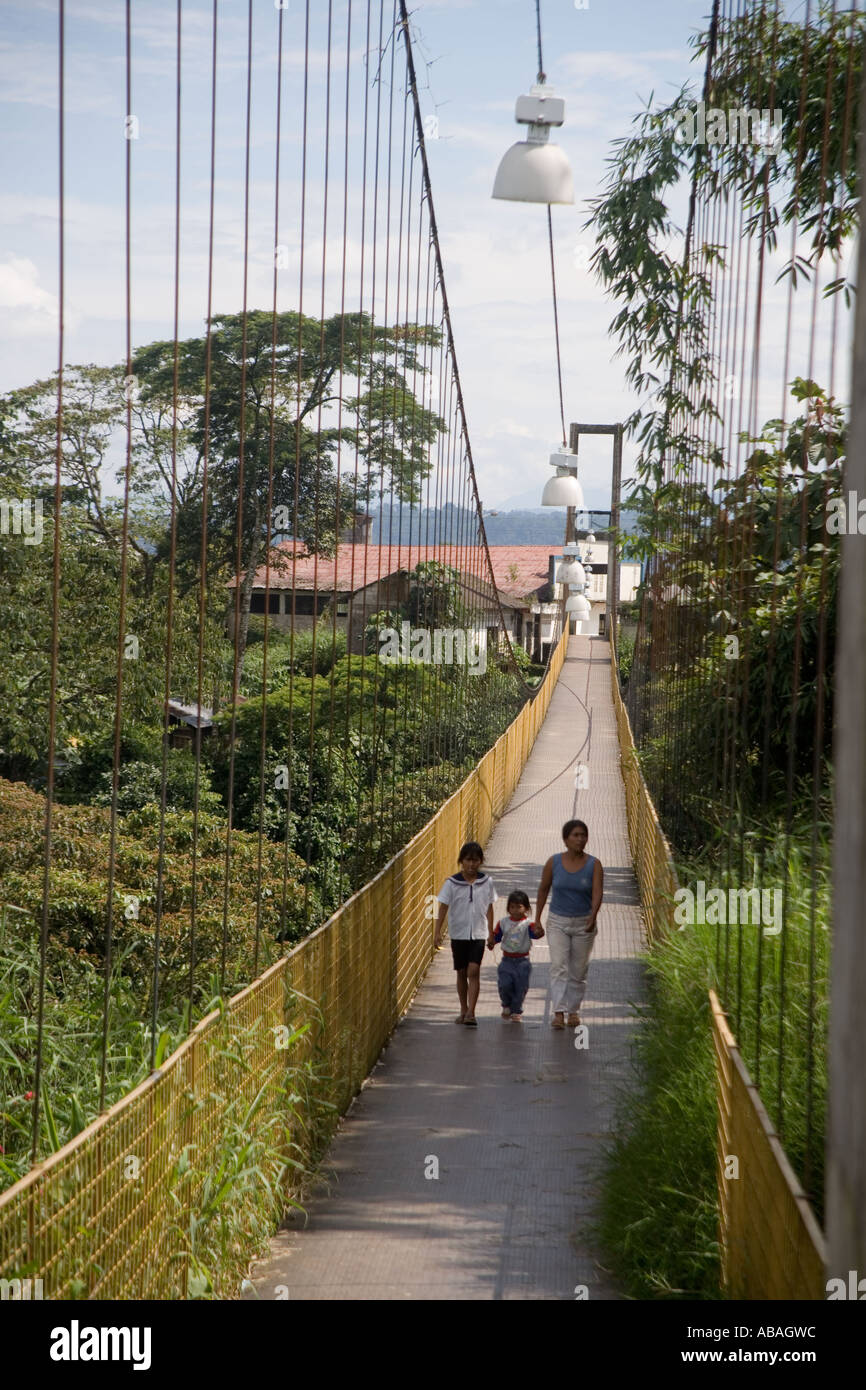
(511, 1116)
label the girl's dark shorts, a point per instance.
(466, 951)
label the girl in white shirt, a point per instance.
(467, 899)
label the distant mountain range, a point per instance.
(528, 501)
(457, 525)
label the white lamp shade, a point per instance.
(571, 572)
(579, 606)
(531, 172)
(562, 491)
(590, 540)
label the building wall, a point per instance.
(389, 592)
(281, 620)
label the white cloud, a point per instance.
(608, 66)
(28, 76)
(35, 309)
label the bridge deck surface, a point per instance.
(515, 1116)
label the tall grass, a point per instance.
(228, 1209)
(774, 987)
(71, 1046)
(227, 1206)
(659, 1209)
(658, 1212)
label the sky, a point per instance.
(474, 57)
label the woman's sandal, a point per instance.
(459, 1018)
(471, 1022)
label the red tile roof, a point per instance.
(519, 570)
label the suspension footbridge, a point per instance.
(468, 1167)
(265, 666)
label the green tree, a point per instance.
(659, 275)
(435, 596)
(763, 570)
(88, 642)
(93, 440)
(260, 394)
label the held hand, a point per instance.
(490, 943)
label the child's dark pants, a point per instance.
(513, 978)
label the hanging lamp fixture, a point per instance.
(563, 489)
(570, 570)
(534, 170)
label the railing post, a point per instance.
(612, 545)
(846, 1135)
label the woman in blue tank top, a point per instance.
(577, 880)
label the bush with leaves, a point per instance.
(77, 905)
(287, 656)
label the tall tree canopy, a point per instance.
(315, 417)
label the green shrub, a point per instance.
(77, 912)
(286, 658)
(625, 657)
(139, 784)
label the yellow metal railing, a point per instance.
(772, 1246)
(651, 853)
(102, 1218)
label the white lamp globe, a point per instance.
(571, 572)
(578, 606)
(562, 491)
(534, 173)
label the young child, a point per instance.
(467, 898)
(516, 936)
